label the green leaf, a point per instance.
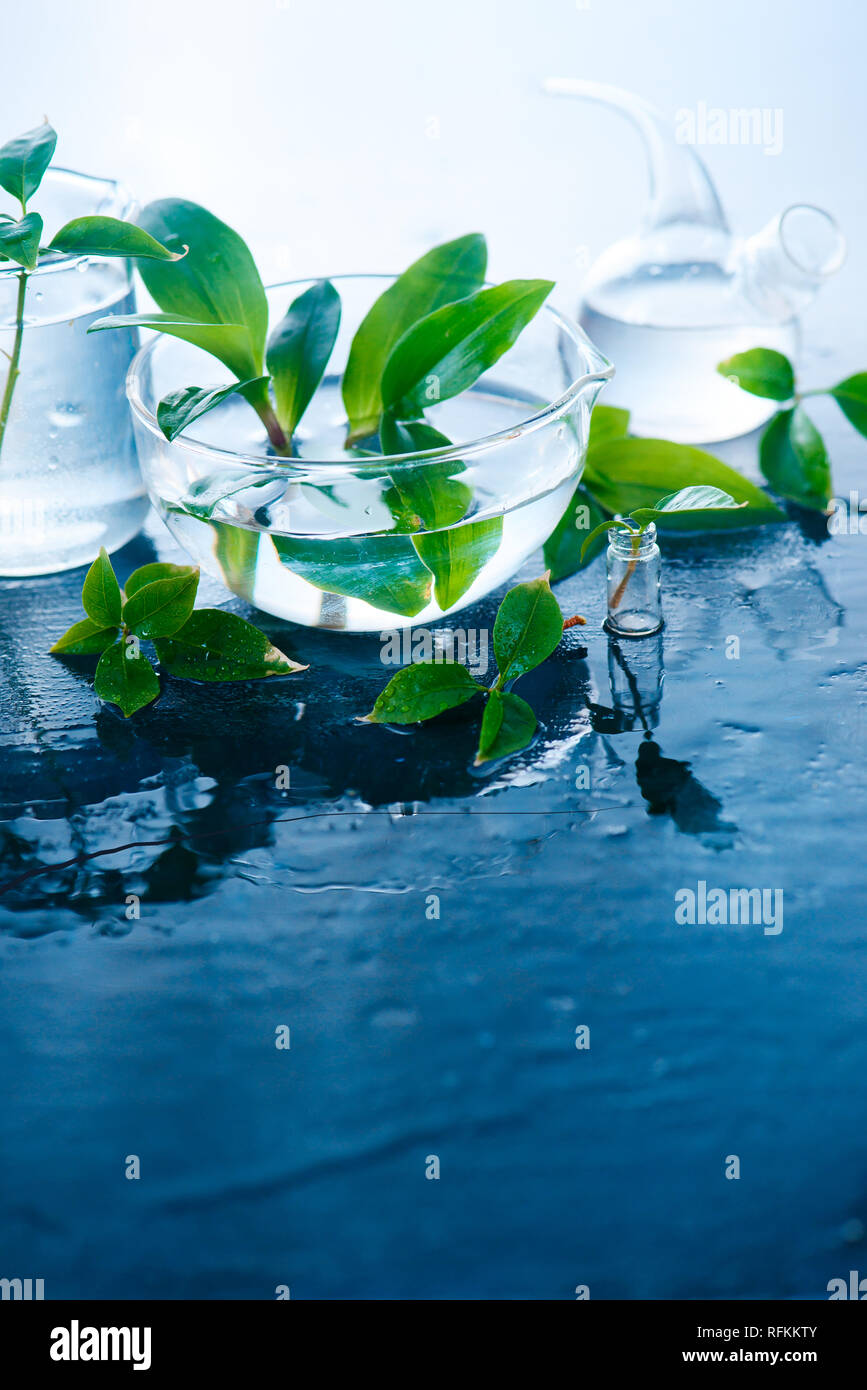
(148, 574)
(851, 396)
(299, 349)
(698, 498)
(422, 691)
(623, 474)
(608, 422)
(109, 236)
(180, 408)
(160, 608)
(528, 627)
(23, 161)
(450, 349)
(508, 725)
(448, 272)
(762, 372)
(230, 342)
(217, 646)
(126, 678)
(383, 570)
(429, 490)
(19, 241)
(100, 594)
(206, 492)
(793, 459)
(85, 638)
(236, 551)
(582, 519)
(457, 555)
(596, 535)
(216, 282)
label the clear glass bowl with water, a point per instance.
(69, 479)
(328, 538)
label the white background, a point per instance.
(341, 136)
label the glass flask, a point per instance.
(633, 576)
(683, 294)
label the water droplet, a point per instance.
(66, 415)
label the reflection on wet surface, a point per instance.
(433, 937)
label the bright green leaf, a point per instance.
(851, 396)
(448, 272)
(623, 474)
(384, 570)
(608, 422)
(100, 594)
(124, 677)
(109, 236)
(23, 161)
(443, 354)
(85, 638)
(19, 241)
(428, 490)
(299, 349)
(792, 457)
(236, 551)
(230, 342)
(422, 691)
(508, 725)
(217, 646)
(180, 408)
(160, 608)
(216, 282)
(528, 627)
(159, 569)
(457, 555)
(762, 372)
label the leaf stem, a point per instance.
(15, 358)
(276, 433)
(616, 597)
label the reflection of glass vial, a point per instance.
(634, 606)
(636, 678)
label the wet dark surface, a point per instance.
(414, 1035)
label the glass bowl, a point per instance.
(328, 539)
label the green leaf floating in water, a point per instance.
(217, 646)
(299, 349)
(383, 570)
(100, 594)
(792, 457)
(19, 241)
(84, 638)
(180, 408)
(422, 691)
(448, 272)
(109, 236)
(216, 282)
(528, 627)
(448, 351)
(508, 725)
(229, 342)
(454, 554)
(23, 161)
(236, 551)
(126, 678)
(762, 372)
(159, 608)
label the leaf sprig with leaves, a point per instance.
(157, 605)
(23, 163)
(528, 627)
(792, 453)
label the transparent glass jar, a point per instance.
(69, 478)
(333, 538)
(634, 601)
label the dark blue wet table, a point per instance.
(413, 1034)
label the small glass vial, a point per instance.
(634, 605)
